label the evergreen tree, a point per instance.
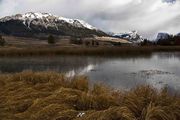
(75, 40)
(51, 39)
(2, 41)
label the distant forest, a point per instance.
(171, 40)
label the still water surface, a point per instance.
(158, 69)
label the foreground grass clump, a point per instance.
(52, 96)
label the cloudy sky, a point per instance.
(146, 16)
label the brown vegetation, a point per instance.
(19, 46)
(54, 50)
(52, 96)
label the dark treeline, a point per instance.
(171, 40)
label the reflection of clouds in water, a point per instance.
(70, 73)
(87, 69)
(81, 71)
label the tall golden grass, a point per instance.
(37, 51)
(51, 96)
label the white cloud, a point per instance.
(146, 16)
(7, 7)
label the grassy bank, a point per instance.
(55, 50)
(52, 96)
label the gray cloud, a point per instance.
(146, 16)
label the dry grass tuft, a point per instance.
(51, 96)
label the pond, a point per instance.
(158, 69)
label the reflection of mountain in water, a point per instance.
(156, 69)
(60, 64)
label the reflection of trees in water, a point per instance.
(168, 55)
(60, 64)
(65, 63)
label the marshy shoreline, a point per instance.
(79, 50)
(50, 95)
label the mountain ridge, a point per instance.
(32, 23)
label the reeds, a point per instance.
(51, 96)
(40, 51)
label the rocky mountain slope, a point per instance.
(40, 24)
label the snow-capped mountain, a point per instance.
(178, 34)
(132, 36)
(162, 36)
(43, 23)
(45, 19)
